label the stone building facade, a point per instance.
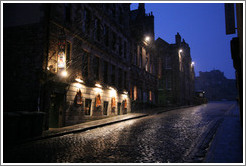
(175, 72)
(80, 69)
(96, 61)
(143, 78)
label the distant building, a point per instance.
(175, 72)
(216, 86)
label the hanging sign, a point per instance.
(78, 98)
(113, 103)
(98, 101)
(125, 103)
(61, 60)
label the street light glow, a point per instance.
(79, 80)
(192, 63)
(180, 50)
(98, 85)
(147, 38)
(64, 73)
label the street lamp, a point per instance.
(147, 38)
(192, 63)
(98, 85)
(64, 73)
(180, 50)
(79, 80)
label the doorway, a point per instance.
(87, 106)
(105, 108)
(55, 110)
(119, 105)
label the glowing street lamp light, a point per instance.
(147, 38)
(180, 50)
(64, 73)
(192, 63)
(98, 85)
(79, 80)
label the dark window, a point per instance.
(87, 19)
(120, 78)
(125, 50)
(113, 41)
(119, 105)
(113, 10)
(120, 46)
(113, 75)
(105, 107)
(68, 53)
(87, 106)
(97, 29)
(120, 16)
(106, 35)
(135, 54)
(67, 12)
(85, 62)
(140, 57)
(125, 80)
(96, 68)
(105, 74)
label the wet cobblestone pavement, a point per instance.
(175, 136)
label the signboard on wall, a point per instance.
(61, 58)
(61, 62)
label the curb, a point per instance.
(79, 130)
(95, 126)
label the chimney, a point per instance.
(178, 38)
(141, 8)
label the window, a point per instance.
(125, 80)
(125, 49)
(106, 35)
(120, 16)
(96, 67)
(120, 46)
(67, 12)
(105, 108)
(140, 56)
(150, 96)
(97, 32)
(135, 93)
(119, 105)
(135, 54)
(68, 53)
(147, 62)
(87, 106)
(113, 75)
(113, 41)
(85, 64)
(105, 73)
(120, 78)
(87, 19)
(168, 62)
(168, 83)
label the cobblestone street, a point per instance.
(175, 136)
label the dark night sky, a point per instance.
(202, 25)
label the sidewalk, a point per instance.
(227, 145)
(99, 123)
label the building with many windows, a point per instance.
(143, 78)
(74, 59)
(175, 73)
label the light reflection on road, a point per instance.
(166, 137)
